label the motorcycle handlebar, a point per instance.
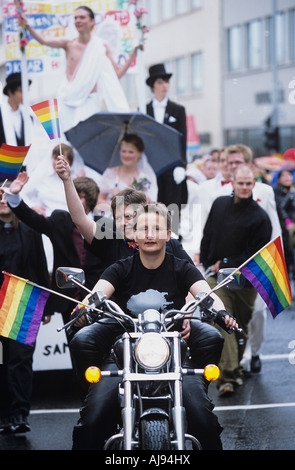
(112, 309)
(208, 313)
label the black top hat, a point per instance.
(14, 79)
(157, 71)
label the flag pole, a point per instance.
(139, 77)
(24, 83)
(59, 129)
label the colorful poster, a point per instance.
(115, 23)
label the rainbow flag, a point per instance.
(11, 160)
(47, 113)
(267, 272)
(21, 309)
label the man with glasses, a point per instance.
(237, 156)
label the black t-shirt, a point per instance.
(138, 288)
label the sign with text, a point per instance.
(52, 350)
(115, 23)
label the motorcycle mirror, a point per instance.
(67, 278)
(236, 281)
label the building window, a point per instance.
(254, 44)
(267, 34)
(167, 9)
(180, 65)
(154, 14)
(197, 72)
(181, 7)
(280, 37)
(234, 41)
(292, 34)
(196, 4)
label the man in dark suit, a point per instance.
(172, 188)
(11, 112)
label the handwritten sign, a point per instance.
(56, 20)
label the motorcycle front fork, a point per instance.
(178, 410)
(128, 410)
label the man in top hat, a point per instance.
(172, 183)
(11, 112)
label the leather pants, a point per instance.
(101, 412)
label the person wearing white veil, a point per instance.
(133, 171)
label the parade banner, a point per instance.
(115, 23)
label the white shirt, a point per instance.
(159, 109)
(16, 119)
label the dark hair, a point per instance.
(135, 140)
(66, 150)
(13, 87)
(127, 197)
(282, 171)
(89, 189)
(83, 7)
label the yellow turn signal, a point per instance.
(93, 374)
(211, 372)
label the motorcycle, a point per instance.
(150, 359)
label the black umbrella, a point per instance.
(97, 139)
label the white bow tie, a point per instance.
(160, 104)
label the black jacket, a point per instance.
(32, 264)
(234, 232)
(59, 228)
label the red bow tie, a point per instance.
(225, 182)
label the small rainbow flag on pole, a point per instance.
(267, 272)
(47, 113)
(11, 160)
(21, 308)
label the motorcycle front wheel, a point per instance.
(154, 434)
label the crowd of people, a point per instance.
(226, 213)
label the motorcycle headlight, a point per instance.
(152, 351)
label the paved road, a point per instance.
(260, 415)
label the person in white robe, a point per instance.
(90, 76)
